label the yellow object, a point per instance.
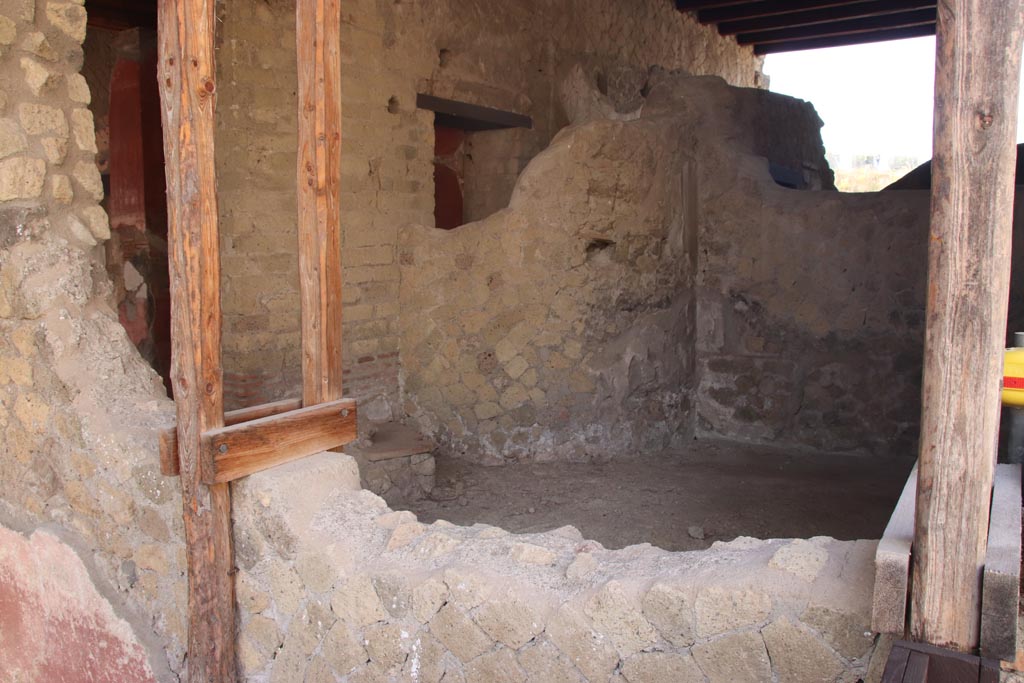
(1013, 377)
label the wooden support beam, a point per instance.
(186, 72)
(978, 51)
(169, 463)
(242, 449)
(846, 27)
(852, 39)
(765, 8)
(318, 42)
(818, 16)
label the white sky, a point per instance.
(874, 98)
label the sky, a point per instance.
(874, 98)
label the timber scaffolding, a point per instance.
(978, 61)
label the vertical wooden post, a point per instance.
(318, 41)
(186, 73)
(977, 69)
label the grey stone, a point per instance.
(670, 609)
(493, 667)
(735, 658)
(720, 609)
(509, 621)
(661, 667)
(458, 633)
(798, 656)
(617, 614)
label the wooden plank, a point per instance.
(1000, 591)
(846, 27)
(186, 73)
(917, 668)
(822, 15)
(839, 41)
(249, 447)
(978, 52)
(896, 665)
(169, 465)
(319, 184)
(892, 564)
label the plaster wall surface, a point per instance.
(503, 55)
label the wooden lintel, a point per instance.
(169, 463)
(977, 71)
(465, 116)
(242, 449)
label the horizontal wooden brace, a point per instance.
(170, 465)
(233, 452)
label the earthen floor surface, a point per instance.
(714, 489)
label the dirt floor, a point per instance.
(679, 500)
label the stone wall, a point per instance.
(333, 585)
(79, 409)
(650, 280)
(502, 55)
(562, 327)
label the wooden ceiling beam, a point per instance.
(857, 10)
(765, 8)
(851, 39)
(694, 5)
(921, 17)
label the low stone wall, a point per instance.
(334, 585)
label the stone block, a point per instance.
(459, 634)
(528, 553)
(21, 178)
(41, 119)
(801, 558)
(500, 665)
(589, 651)
(88, 177)
(40, 78)
(357, 603)
(84, 130)
(720, 609)
(735, 658)
(543, 662)
(12, 140)
(70, 18)
(509, 621)
(1001, 576)
(661, 667)
(850, 634)
(428, 598)
(343, 650)
(670, 609)
(617, 615)
(797, 655)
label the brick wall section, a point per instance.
(503, 55)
